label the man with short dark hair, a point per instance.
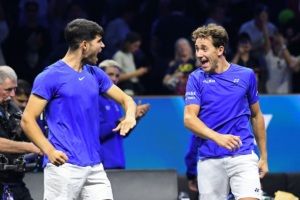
(69, 90)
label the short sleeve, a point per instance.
(192, 94)
(252, 90)
(44, 86)
(103, 80)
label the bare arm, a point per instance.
(129, 106)
(34, 108)
(192, 122)
(258, 125)
(267, 42)
(10, 146)
(291, 60)
(137, 73)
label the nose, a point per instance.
(199, 54)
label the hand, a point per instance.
(57, 157)
(281, 40)
(141, 71)
(193, 186)
(125, 125)
(241, 49)
(230, 142)
(263, 167)
(141, 109)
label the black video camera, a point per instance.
(22, 163)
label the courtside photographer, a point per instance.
(17, 154)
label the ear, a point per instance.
(84, 45)
(220, 50)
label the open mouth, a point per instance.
(204, 62)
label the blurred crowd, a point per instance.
(150, 39)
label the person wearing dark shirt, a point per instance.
(111, 113)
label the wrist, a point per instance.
(263, 157)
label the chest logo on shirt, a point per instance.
(81, 78)
(107, 107)
(208, 81)
(236, 80)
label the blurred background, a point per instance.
(31, 38)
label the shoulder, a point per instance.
(198, 73)
(118, 54)
(242, 72)
(241, 69)
(247, 25)
(197, 76)
(51, 70)
(94, 70)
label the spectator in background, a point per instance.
(21, 99)
(33, 42)
(42, 12)
(112, 153)
(244, 57)
(180, 67)
(129, 78)
(117, 30)
(22, 94)
(254, 28)
(280, 63)
(217, 14)
(167, 29)
(13, 143)
(191, 159)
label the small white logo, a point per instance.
(236, 80)
(107, 107)
(209, 81)
(81, 78)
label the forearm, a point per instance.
(130, 107)
(35, 134)
(267, 43)
(260, 135)
(10, 146)
(128, 75)
(199, 128)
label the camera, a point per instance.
(11, 124)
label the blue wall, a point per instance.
(160, 140)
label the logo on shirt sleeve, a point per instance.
(190, 95)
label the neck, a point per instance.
(222, 65)
(73, 59)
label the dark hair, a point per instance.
(79, 30)
(24, 88)
(244, 37)
(130, 38)
(259, 8)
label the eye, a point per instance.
(10, 89)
